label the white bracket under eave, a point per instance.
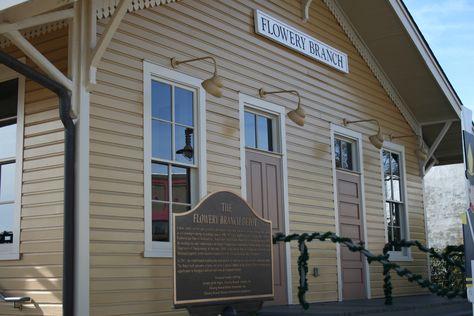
(107, 36)
(438, 140)
(305, 9)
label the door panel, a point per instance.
(255, 180)
(264, 194)
(350, 225)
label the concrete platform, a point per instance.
(421, 305)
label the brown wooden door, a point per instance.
(264, 194)
(350, 224)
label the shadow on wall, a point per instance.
(44, 288)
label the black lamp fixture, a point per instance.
(212, 85)
(187, 151)
(377, 139)
(297, 115)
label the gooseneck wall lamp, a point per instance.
(212, 85)
(297, 115)
(377, 139)
(421, 151)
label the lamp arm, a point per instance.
(263, 93)
(175, 62)
(420, 139)
(345, 122)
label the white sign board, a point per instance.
(288, 36)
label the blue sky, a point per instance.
(448, 26)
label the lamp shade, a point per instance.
(421, 153)
(297, 116)
(377, 140)
(213, 85)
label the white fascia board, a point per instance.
(427, 55)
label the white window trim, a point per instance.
(150, 71)
(400, 149)
(12, 251)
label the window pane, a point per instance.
(397, 237)
(395, 214)
(396, 188)
(8, 101)
(386, 164)
(396, 184)
(160, 222)
(178, 208)
(346, 155)
(183, 106)
(161, 100)
(161, 139)
(388, 214)
(8, 141)
(7, 182)
(181, 185)
(6, 217)
(264, 134)
(395, 164)
(250, 136)
(184, 142)
(390, 234)
(387, 175)
(337, 152)
(159, 182)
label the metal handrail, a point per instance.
(16, 300)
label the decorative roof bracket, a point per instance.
(438, 139)
(104, 41)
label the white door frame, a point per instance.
(345, 132)
(280, 112)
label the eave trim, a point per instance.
(106, 8)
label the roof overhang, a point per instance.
(393, 38)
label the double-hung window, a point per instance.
(11, 118)
(174, 150)
(395, 206)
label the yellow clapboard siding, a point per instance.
(114, 210)
(42, 234)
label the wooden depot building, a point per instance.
(324, 115)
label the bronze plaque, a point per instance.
(222, 252)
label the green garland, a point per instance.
(303, 271)
(383, 259)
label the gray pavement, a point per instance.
(420, 305)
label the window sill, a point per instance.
(395, 256)
(158, 253)
(9, 256)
